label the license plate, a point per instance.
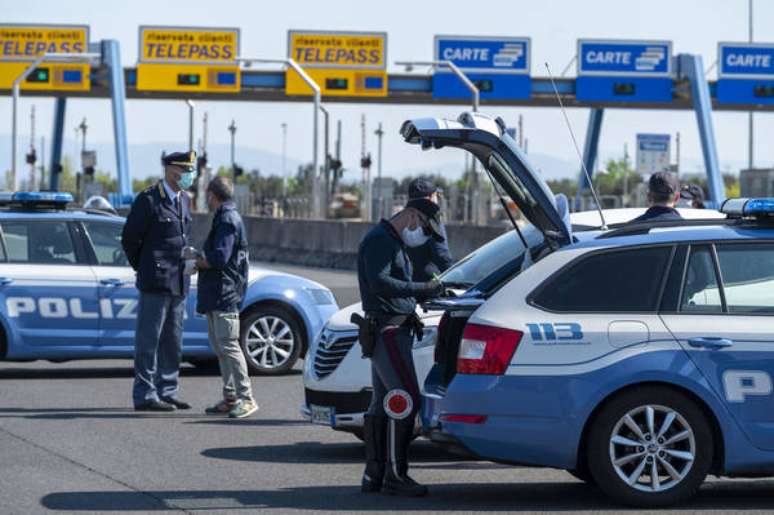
(323, 415)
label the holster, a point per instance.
(366, 333)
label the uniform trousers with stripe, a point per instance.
(392, 367)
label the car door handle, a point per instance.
(710, 343)
(5, 281)
(111, 282)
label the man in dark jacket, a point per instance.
(223, 270)
(154, 236)
(389, 296)
(433, 257)
(663, 194)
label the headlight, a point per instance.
(321, 297)
(429, 335)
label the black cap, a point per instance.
(430, 210)
(421, 188)
(183, 159)
(692, 192)
(664, 183)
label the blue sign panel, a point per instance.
(745, 73)
(499, 66)
(624, 71)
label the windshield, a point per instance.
(491, 257)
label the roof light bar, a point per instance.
(748, 207)
(36, 198)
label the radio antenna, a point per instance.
(577, 149)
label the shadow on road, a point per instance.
(463, 497)
(422, 452)
(9, 371)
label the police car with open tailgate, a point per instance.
(67, 292)
(640, 357)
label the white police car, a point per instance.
(337, 379)
(640, 358)
(67, 292)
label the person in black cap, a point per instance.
(155, 240)
(433, 257)
(389, 297)
(663, 194)
(692, 195)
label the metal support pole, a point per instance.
(56, 143)
(317, 96)
(327, 165)
(691, 67)
(284, 158)
(379, 200)
(111, 55)
(191, 109)
(750, 122)
(590, 149)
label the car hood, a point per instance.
(487, 140)
(256, 273)
(340, 320)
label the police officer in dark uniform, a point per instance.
(433, 257)
(663, 195)
(154, 238)
(389, 301)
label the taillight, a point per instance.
(486, 350)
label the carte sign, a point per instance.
(746, 60)
(340, 63)
(633, 58)
(491, 54)
(339, 50)
(498, 66)
(22, 43)
(191, 59)
(192, 45)
(745, 73)
(627, 71)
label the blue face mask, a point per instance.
(186, 180)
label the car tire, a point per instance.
(271, 340)
(641, 427)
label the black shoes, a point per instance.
(374, 432)
(154, 406)
(177, 403)
(403, 486)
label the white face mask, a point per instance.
(414, 238)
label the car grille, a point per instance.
(332, 347)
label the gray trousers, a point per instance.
(392, 367)
(158, 341)
(223, 328)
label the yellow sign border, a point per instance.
(44, 26)
(334, 66)
(140, 44)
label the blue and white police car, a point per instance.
(640, 358)
(67, 292)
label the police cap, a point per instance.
(430, 210)
(421, 188)
(182, 159)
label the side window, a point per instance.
(700, 291)
(105, 239)
(748, 277)
(620, 281)
(39, 242)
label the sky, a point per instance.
(694, 26)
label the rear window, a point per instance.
(748, 277)
(609, 282)
(38, 242)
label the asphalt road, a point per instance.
(69, 443)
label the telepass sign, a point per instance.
(341, 63)
(21, 44)
(193, 59)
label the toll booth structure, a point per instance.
(109, 73)
(689, 69)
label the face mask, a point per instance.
(186, 180)
(414, 238)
